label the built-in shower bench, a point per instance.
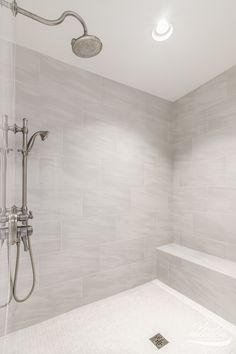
(208, 280)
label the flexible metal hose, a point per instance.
(13, 283)
(17, 299)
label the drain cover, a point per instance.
(159, 341)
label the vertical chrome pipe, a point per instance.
(4, 164)
(24, 166)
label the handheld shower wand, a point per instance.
(43, 135)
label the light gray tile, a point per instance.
(7, 60)
(137, 223)
(213, 290)
(115, 172)
(211, 93)
(150, 200)
(214, 145)
(79, 173)
(151, 243)
(105, 284)
(3, 325)
(222, 199)
(99, 186)
(159, 108)
(182, 221)
(69, 264)
(27, 100)
(27, 73)
(80, 141)
(182, 150)
(204, 147)
(203, 243)
(42, 247)
(45, 230)
(46, 303)
(87, 85)
(231, 81)
(216, 225)
(190, 199)
(230, 170)
(119, 95)
(106, 201)
(45, 204)
(221, 116)
(189, 125)
(158, 175)
(87, 230)
(58, 108)
(120, 253)
(162, 271)
(230, 251)
(141, 272)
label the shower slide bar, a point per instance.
(14, 226)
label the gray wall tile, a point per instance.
(99, 186)
(204, 143)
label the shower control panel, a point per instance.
(22, 231)
(13, 232)
(14, 226)
(14, 222)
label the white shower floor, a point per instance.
(123, 324)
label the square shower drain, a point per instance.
(159, 341)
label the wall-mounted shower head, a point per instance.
(86, 46)
(43, 135)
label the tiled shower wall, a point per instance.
(204, 133)
(99, 186)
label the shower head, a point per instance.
(86, 46)
(43, 135)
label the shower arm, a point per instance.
(18, 10)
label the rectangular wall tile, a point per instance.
(99, 186)
(204, 144)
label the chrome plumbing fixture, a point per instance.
(14, 221)
(85, 46)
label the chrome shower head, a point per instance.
(86, 46)
(43, 135)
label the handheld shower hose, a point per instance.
(13, 281)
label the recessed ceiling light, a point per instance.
(162, 31)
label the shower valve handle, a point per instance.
(13, 226)
(25, 243)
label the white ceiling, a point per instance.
(203, 44)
